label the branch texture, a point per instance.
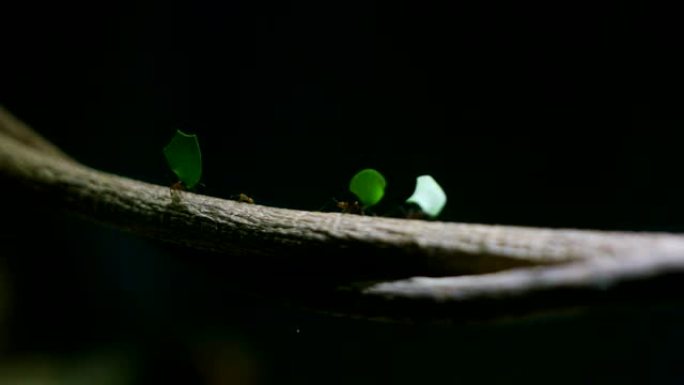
(467, 262)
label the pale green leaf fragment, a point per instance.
(184, 158)
(428, 195)
(369, 186)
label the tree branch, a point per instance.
(511, 262)
(19, 131)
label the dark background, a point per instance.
(554, 114)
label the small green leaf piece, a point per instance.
(184, 158)
(428, 195)
(369, 186)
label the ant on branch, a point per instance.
(178, 186)
(351, 207)
(175, 190)
(244, 198)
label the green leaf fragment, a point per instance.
(369, 186)
(184, 158)
(428, 195)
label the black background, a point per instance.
(553, 114)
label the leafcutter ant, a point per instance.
(178, 186)
(244, 198)
(351, 207)
(175, 190)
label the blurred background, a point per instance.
(553, 114)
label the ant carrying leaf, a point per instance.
(368, 186)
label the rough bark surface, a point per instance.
(467, 262)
